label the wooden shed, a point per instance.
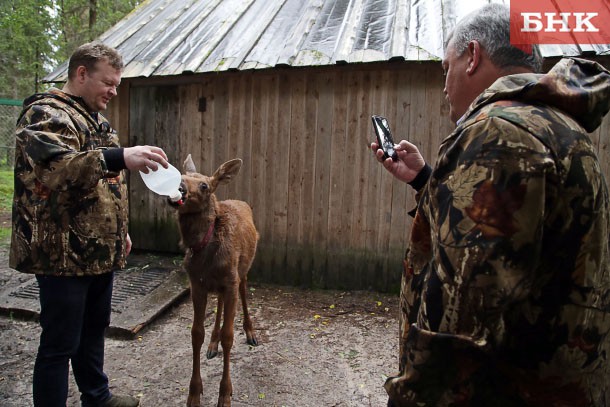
(289, 86)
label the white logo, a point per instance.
(562, 22)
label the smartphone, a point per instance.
(384, 136)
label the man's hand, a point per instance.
(127, 245)
(410, 162)
(143, 158)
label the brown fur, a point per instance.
(220, 266)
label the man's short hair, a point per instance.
(490, 26)
(89, 54)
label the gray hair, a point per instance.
(490, 26)
(89, 54)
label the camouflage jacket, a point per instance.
(69, 211)
(505, 297)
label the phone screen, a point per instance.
(384, 136)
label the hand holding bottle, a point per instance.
(144, 158)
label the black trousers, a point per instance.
(74, 315)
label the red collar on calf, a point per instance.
(206, 239)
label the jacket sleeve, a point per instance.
(56, 150)
(487, 208)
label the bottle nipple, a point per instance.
(175, 196)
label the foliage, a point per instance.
(28, 53)
(88, 19)
(43, 33)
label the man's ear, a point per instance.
(81, 73)
(474, 56)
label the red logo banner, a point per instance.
(560, 22)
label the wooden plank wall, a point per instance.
(328, 214)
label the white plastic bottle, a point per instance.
(164, 181)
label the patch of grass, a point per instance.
(6, 199)
(6, 190)
(5, 234)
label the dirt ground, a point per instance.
(317, 348)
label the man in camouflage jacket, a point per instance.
(71, 211)
(505, 298)
(70, 222)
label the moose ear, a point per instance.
(227, 171)
(189, 165)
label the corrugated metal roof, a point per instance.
(173, 37)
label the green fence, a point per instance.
(9, 112)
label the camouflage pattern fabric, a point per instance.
(505, 297)
(69, 211)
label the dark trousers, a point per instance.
(74, 315)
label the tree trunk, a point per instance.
(92, 18)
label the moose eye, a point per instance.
(203, 186)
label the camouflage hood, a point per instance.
(578, 87)
(62, 99)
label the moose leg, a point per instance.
(226, 339)
(248, 326)
(213, 346)
(200, 298)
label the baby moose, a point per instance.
(220, 241)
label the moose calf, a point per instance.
(220, 241)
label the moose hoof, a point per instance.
(252, 341)
(193, 401)
(224, 401)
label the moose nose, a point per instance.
(182, 189)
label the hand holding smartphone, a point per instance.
(384, 137)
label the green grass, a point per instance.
(5, 234)
(6, 198)
(6, 190)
